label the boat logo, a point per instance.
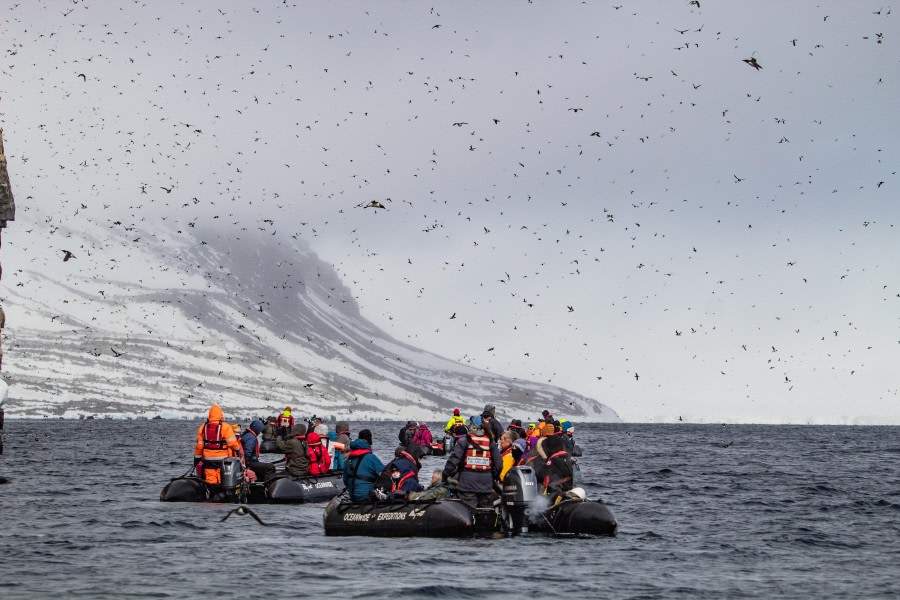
(319, 485)
(356, 517)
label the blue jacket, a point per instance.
(403, 466)
(361, 471)
(250, 443)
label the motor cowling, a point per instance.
(232, 473)
(448, 444)
(520, 490)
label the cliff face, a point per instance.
(7, 204)
(252, 321)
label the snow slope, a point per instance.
(250, 319)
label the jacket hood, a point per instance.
(215, 413)
(553, 444)
(298, 429)
(256, 426)
(416, 451)
(359, 444)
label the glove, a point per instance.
(196, 461)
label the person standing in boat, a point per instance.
(553, 467)
(216, 441)
(295, 451)
(250, 443)
(491, 424)
(477, 460)
(285, 422)
(362, 469)
(454, 421)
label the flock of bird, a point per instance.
(566, 210)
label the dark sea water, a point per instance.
(704, 512)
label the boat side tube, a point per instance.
(445, 518)
(296, 490)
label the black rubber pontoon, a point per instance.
(577, 516)
(445, 518)
(296, 490)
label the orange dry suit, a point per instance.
(215, 442)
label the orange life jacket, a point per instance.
(478, 453)
(285, 421)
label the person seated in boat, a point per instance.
(285, 422)
(454, 421)
(568, 431)
(407, 432)
(296, 455)
(341, 445)
(215, 442)
(516, 426)
(477, 460)
(491, 425)
(422, 437)
(511, 449)
(326, 436)
(436, 490)
(319, 459)
(553, 469)
(250, 444)
(270, 430)
(401, 475)
(531, 436)
(362, 468)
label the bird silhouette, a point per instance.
(374, 204)
(116, 354)
(67, 255)
(244, 510)
(752, 62)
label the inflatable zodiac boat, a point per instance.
(523, 510)
(280, 490)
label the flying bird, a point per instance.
(752, 62)
(67, 255)
(116, 354)
(374, 204)
(243, 510)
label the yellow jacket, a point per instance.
(453, 422)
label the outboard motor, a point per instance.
(448, 443)
(232, 474)
(520, 490)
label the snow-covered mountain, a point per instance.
(144, 323)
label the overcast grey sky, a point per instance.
(608, 198)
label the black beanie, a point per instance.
(365, 434)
